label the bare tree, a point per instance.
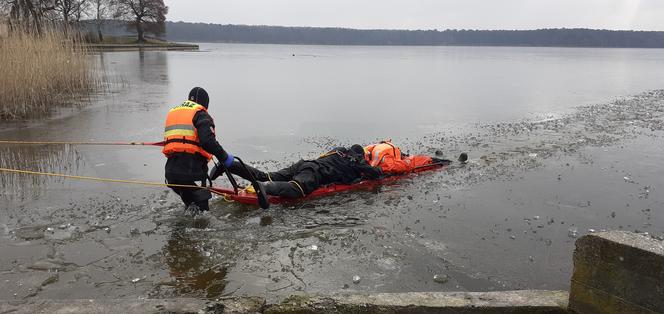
(28, 15)
(65, 8)
(82, 10)
(70, 10)
(145, 15)
(5, 6)
(100, 11)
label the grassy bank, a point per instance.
(38, 74)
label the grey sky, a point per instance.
(426, 14)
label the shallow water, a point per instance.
(559, 147)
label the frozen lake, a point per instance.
(563, 141)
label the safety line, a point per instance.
(80, 143)
(101, 179)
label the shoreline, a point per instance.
(139, 47)
(414, 45)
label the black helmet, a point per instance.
(199, 96)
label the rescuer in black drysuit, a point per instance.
(340, 165)
(186, 168)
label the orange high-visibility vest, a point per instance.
(375, 154)
(180, 134)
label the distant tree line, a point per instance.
(32, 16)
(562, 37)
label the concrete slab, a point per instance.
(526, 301)
(171, 306)
(618, 272)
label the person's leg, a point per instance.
(201, 198)
(184, 193)
(186, 198)
(287, 173)
(304, 182)
(282, 189)
(192, 195)
(237, 169)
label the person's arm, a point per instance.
(206, 134)
(369, 171)
(392, 165)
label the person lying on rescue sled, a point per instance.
(190, 143)
(391, 160)
(340, 165)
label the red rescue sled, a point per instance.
(250, 198)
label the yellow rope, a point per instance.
(75, 143)
(300, 187)
(100, 179)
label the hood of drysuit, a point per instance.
(357, 150)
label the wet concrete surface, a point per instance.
(506, 220)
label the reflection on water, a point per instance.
(41, 158)
(153, 67)
(193, 272)
(147, 66)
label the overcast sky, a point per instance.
(426, 14)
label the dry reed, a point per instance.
(40, 73)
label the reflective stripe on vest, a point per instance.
(180, 129)
(180, 133)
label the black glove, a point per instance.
(381, 174)
(376, 175)
(217, 171)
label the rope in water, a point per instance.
(79, 143)
(101, 179)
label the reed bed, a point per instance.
(40, 73)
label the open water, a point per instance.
(562, 142)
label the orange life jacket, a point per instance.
(388, 157)
(375, 154)
(180, 134)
